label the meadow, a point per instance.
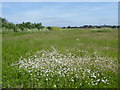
(67, 58)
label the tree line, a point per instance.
(94, 26)
(21, 26)
(28, 25)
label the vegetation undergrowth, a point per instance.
(54, 59)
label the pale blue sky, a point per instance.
(62, 13)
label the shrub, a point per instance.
(55, 28)
(49, 28)
(5, 30)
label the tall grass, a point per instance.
(101, 30)
(68, 58)
(0, 60)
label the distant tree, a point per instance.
(90, 26)
(49, 28)
(114, 26)
(11, 26)
(4, 20)
(20, 26)
(27, 25)
(39, 26)
(68, 27)
(86, 26)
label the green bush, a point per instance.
(5, 30)
(56, 28)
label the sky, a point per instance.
(62, 13)
(60, 0)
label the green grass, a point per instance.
(0, 60)
(105, 44)
(101, 30)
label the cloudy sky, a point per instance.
(61, 13)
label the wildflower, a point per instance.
(54, 85)
(47, 63)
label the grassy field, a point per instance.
(76, 58)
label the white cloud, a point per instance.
(60, 0)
